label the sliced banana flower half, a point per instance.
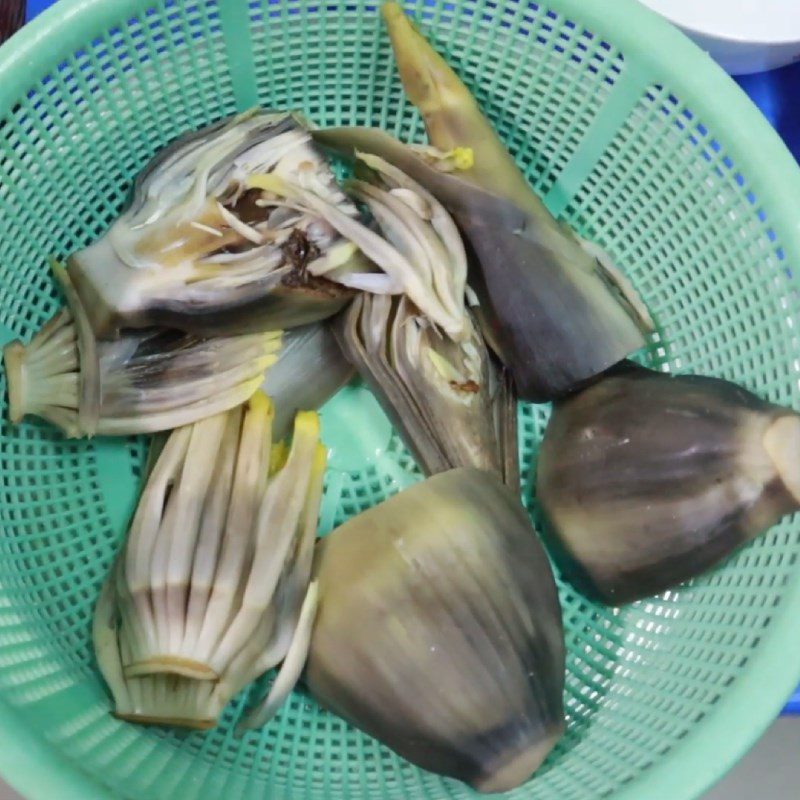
(446, 398)
(311, 368)
(198, 250)
(648, 480)
(145, 381)
(213, 586)
(439, 630)
(616, 318)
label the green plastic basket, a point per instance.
(630, 133)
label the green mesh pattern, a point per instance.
(591, 101)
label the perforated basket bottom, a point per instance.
(612, 144)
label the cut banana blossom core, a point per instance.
(446, 398)
(439, 630)
(555, 313)
(197, 251)
(213, 587)
(649, 479)
(145, 381)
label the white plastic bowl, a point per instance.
(742, 35)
